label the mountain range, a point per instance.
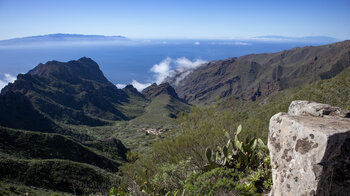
(309, 39)
(254, 75)
(44, 115)
(63, 122)
(78, 93)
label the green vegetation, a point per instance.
(237, 154)
(200, 154)
(255, 115)
(253, 75)
(162, 109)
(179, 163)
(34, 145)
(225, 181)
(60, 175)
(183, 155)
(57, 162)
(11, 188)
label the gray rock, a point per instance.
(310, 151)
(305, 108)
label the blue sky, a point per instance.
(220, 19)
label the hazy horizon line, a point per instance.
(183, 37)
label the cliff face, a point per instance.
(310, 150)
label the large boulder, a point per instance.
(310, 150)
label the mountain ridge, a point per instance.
(156, 90)
(313, 39)
(75, 92)
(255, 75)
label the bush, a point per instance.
(171, 177)
(227, 181)
(174, 160)
(237, 154)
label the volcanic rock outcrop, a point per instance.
(310, 150)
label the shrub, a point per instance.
(227, 181)
(238, 154)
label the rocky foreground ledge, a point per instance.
(310, 150)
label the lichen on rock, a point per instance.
(310, 150)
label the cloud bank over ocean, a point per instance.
(168, 67)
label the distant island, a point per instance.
(310, 39)
(62, 38)
(67, 39)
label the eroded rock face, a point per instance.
(310, 150)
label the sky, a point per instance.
(207, 19)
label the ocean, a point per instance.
(122, 64)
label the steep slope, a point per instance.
(75, 92)
(57, 175)
(17, 111)
(34, 145)
(57, 162)
(257, 75)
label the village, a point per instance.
(153, 131)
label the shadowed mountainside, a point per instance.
(75, 92)
(17, 111)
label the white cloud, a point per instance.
(121, 86)
(183, 63)
(197, 43)
(161, 70)
(183, 67)
(6, 79)
(139, 86)
(168, 67)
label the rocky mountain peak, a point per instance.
(83, 68)
(130, 90)
(155, 90)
